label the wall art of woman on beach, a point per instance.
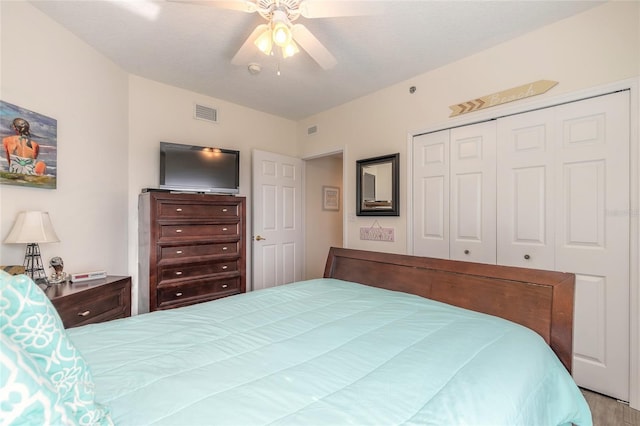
(29, 152)
(22, 151)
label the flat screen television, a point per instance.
(193, 168)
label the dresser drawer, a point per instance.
(171, 296)
(90, 304)
(196, 211)
(195, 270)
(199, 250)
(191, 231)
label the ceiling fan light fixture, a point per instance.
(263, 42)
(281, 34)
(281, 31)
(290, 49)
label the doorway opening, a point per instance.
(324, 223)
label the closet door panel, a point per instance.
(431, 194)
(473, 201)
(468, 226)
(592, 235)
(525, 231)
(584, 196)
(529, 205)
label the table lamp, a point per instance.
(32, 228)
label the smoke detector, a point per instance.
(254, 69)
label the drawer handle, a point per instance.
(178, 294)
(224, 266)
(224, 248)
(467, 252)
(526, 256)
(224, 210)
(178, 251)
(225, 285)
(225, 229)
(179, 273)
(178, 210)
(84, 314)
(178, 230)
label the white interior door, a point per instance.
(278, 237)
(592, 235)
(472, 197)
(525, 190)
(431, 194)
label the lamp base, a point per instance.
(33, 264)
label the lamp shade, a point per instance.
(290, 49)
(281, 31)
(32, 227)
(263, 42)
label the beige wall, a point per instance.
(324, 227)
(48, 70)
(597, 47)
(164, 113)
(110, 124)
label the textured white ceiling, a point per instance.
(191, 46)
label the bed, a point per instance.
(381, 339)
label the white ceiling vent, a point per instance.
(205, 113)
(311, 130)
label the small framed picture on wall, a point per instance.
(330, 198)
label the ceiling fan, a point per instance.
(280, 35)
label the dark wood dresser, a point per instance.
(92, 301)
(192, 248)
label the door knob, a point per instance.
(259, 238)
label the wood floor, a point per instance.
(609, 412)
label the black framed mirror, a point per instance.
(378, 186)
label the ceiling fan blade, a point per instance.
(241, 5)
(336, 8)
(313, 47)
(248, 48)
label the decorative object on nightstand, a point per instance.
(58, 276)
(32, 228)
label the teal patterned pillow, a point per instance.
(27, 396)
(30, 320)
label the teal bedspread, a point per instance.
(326, 352)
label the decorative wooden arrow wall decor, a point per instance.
(526, 90)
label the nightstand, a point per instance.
(92, 301)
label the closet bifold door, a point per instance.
(544, 189)
(525, 190)
(592, 235)
(563, 204)
(431, 194)
(472, 198)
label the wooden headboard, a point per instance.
(540, 300)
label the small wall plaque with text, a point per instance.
(377, 234)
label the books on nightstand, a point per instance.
(86, 276)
